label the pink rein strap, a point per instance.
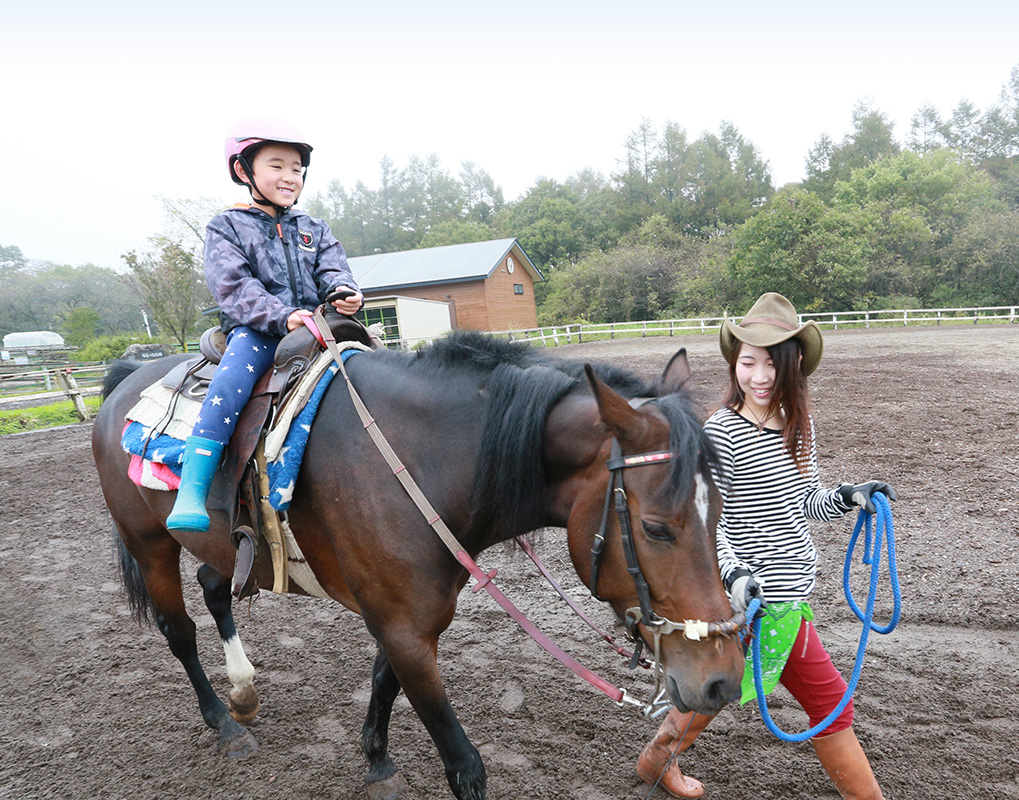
(484, 580)
(309, 321)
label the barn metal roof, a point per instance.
(450, 264)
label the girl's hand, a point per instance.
(860, 494)
(350, 304)
(744, 589)
(294, 320)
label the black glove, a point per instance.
(743, 587)
(860, 494)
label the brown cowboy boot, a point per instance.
(654, 765)
(845, 762)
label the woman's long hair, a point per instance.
(789, 395)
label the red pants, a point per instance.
(811, 677)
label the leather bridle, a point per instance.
(615, 495)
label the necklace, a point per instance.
(750, 415)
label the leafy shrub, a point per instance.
(107, 348)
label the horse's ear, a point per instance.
(613, 408)
(676, 373)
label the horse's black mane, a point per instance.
(522, 384)
(484, 353)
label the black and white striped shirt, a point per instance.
(767, 503)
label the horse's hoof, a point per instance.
(390, 788)
(237, 743)
(243, 704)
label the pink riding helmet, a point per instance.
(252, 130)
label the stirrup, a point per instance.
(245, 583)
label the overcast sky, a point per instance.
(105, 106)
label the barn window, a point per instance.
(518, 288)
(384, 314)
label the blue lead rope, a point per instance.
(871, 556)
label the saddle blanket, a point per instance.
(155, 440)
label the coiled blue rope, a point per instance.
(871, 556)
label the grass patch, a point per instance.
(51, 415)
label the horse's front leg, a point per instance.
(413, 661)
(383, 780)
(242, 698)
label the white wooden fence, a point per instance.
(553, 335)
(42, 378)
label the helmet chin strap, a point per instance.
(252, 189)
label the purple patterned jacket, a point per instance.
(247, 269)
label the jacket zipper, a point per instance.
(290, 264)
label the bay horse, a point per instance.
(503, 440)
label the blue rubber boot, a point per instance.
(201, 458)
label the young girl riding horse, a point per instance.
(769, 481)
(267, 266)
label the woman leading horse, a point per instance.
(502, 440)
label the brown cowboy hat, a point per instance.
(771, 321)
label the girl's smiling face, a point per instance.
(279, 174)
(755, 375)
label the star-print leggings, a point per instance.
(248, 355)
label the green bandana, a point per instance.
(779, 629)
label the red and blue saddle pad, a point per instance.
(156, 457)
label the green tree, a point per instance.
(184, 222)
(482, 198)
(729, 182)
(456, 231)
(23, 306)
(639, 279)
(870, 139)
(170, 284)
(427, 195)
(630, 282)
(915, 206)
(81, 326)
(11, 261)
(813, 254)
(44, 296)
(1000, 131)
(548, 224)
(634, 181)
(982, 262)
(672, 174)
(408, 203)
(1001, 121)
(598, 208)
(963, 132)
(926, 130)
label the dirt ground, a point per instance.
(91, 706)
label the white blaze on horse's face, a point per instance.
(701, 498)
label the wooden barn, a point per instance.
(488, 286)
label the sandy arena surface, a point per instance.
(93, 707)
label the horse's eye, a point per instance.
(657, 531)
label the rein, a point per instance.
(693, 629)
(871, 556)
(482, 579)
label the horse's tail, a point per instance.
(134, 584)
(119, 370)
